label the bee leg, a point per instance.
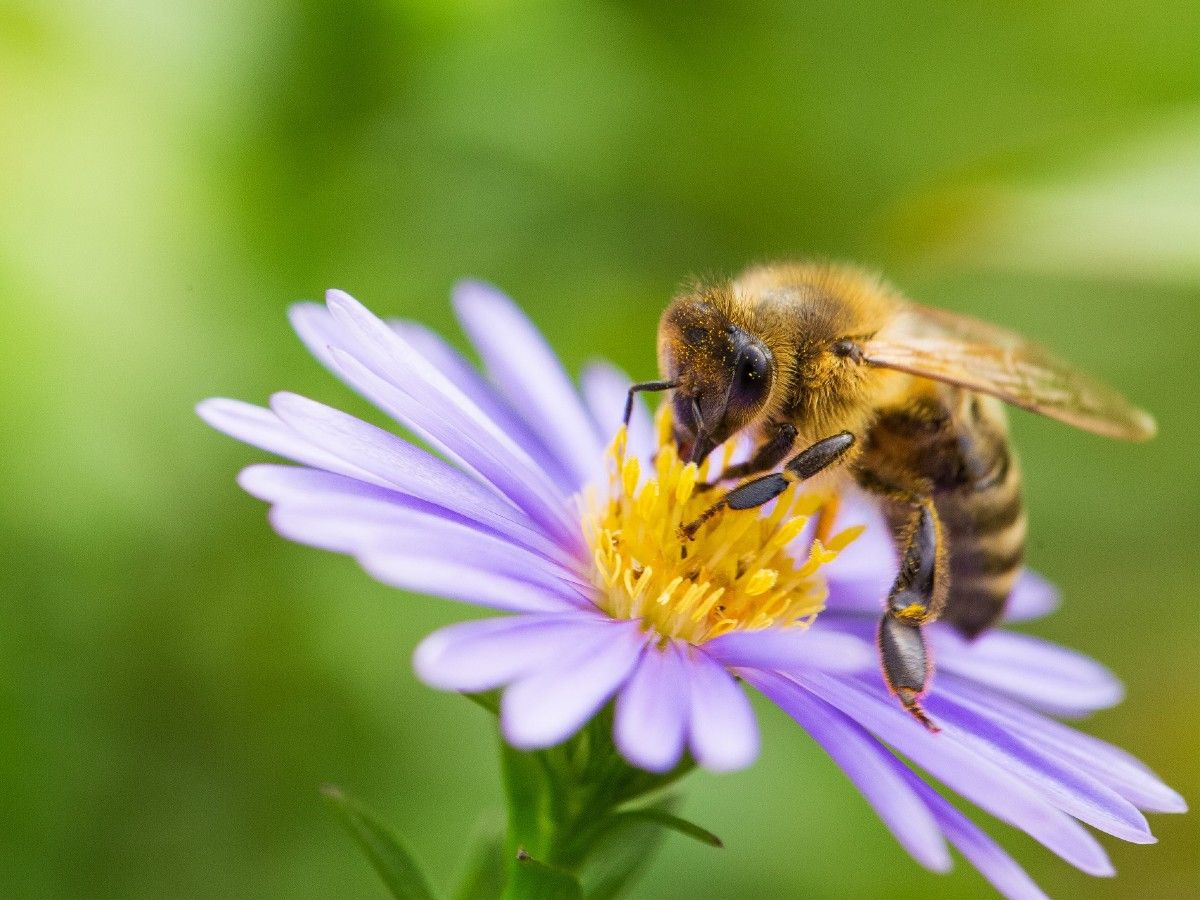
(803, 465)
(916, 599)
(644, 386)
(768, 455)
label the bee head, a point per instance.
(723, 374)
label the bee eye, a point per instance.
(847, 347)
(753, 371)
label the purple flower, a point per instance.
(526, 513)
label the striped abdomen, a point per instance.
(984, 524)
(954, 446)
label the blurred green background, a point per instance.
(176, 681)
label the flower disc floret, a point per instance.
(742, 572)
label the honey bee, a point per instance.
(903, 399)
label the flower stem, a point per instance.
(569, 802)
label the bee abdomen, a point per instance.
(986, 526)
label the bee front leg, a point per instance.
(768, 455)
(803, 465)
(916, 599)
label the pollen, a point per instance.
(745, 570)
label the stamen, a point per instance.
(760, 582)
(743, 571)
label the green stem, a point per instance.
(562, 802)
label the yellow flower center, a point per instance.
(740, 573)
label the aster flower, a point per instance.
(525, 511)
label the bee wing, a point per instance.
(981, 357)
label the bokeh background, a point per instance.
(175, 681)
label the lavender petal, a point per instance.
(488, 653)
(871, 768)
(262, 428)
(722, 731)
(550, 705)
(652, 710)
(399, 464)
(529, 374)
(457, 579)
(1000, 869)
(500, 463)
(378, 363)
(1032, 597)
(296, 486)
(862, 574)
(441, 356)
(983, 782)
(1040, 674)
(790, 648)
(1070, 788)
(1121, 771)
(316, 329)
(375, 531)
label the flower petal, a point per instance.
(452, 364)
(378, 364)
(862, 574)
(652, 710)
(980, 780)
(489, 653)
(1040, 674)
(529, 374)
(317, 330)
(549, 705)
(296, 486)
(459, 579)
(865, 761)
(722, 732)
(382, 349)
(498, 463)
(262, 428)
(1110, 765)
(1070, 788)
(789, 648)
(375, 531)
(277, 483)
(1032, 597)
(390, 460)
(980, 850)
(605, 388)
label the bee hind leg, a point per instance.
(916, 598)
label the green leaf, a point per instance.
(394, 864)
(533, 880)
(618, 855)
(672, 822)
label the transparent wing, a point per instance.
(981, 357)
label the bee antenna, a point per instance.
(645, 386)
